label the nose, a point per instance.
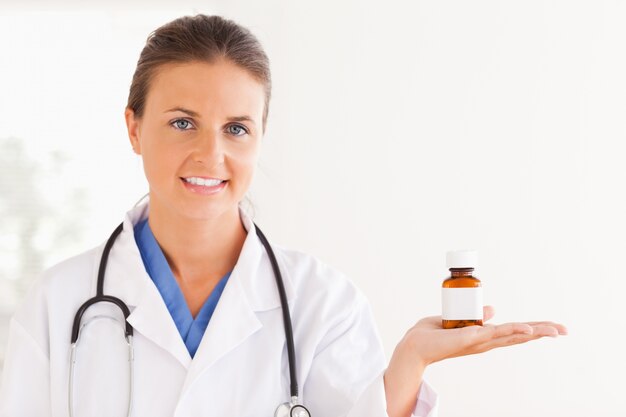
(208, 150)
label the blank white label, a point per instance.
(462, 303)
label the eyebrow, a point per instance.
(196, 114)
(184, 110)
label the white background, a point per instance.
(397, 131)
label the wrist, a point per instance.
(403, 380)
(410, 348)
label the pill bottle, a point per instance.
(461, 292)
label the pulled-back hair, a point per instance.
(199, 38)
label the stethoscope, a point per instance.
(287, 409)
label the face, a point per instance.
(199, 137)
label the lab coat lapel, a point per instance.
(127, 279)
(251, 288)
(233, 321)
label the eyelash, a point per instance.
(173, 124)
(242, 127)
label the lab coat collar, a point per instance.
(251, 288)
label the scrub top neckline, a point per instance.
(191, 329)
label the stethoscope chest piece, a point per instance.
(290, 409)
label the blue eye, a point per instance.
(182, 124)
(238, 130)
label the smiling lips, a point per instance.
(210, 182)
(204, 186)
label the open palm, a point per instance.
(428, 342)
(434, 343)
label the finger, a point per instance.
(545, 330)
(488, 313)
(489, 332)
(511, 340)
(560, 328)
(493, 344)
(514, 339)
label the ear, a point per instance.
(133, 125)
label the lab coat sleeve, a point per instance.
(427, 402)
(25, 388)
(346, 376)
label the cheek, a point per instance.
(249, 161)
(158, 161)
(243, 167)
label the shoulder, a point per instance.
(73, 271)
(310, 272)
(52, 297)
(324, 289)
(58, 285)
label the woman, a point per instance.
(196, 114)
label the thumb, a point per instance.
(488, 313)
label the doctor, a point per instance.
(207, 319)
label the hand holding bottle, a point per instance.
(428, 342)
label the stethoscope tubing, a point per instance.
(291, 351)
(101, 297)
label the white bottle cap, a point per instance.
(461, 259)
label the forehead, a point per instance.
(206, 88)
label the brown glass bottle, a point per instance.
(461, 278)
(461, 292)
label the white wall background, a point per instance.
(397, 131)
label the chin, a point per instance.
(206, 211)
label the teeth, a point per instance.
(202, 181)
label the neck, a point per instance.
(198, 249)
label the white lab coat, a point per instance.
(241, 366)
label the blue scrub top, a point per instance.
(190, 329)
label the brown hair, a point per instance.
(199, 38)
